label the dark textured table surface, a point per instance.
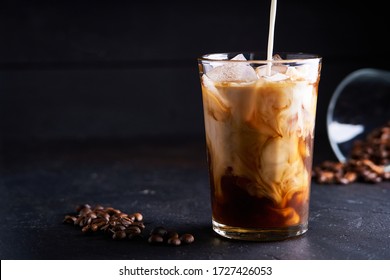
(168, 183)
(70, 74)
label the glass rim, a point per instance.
(304, 57)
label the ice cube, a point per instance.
(276, 77)
(275, 159)
(239, 57)
(216, 58)
(306, 72)
(277, 72)
(218, 106)
(233, 72)
(276, 57)
(223, 57)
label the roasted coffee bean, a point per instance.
(88, 220)
(102, 214)
(98, 207)
(133, 230)
(187, 238)
(121, 215)
(92, 215)
(86, 228)
(94, 227)
(80, 221)
(99, 220)
(113, 223)
(325, 177)
(174, 241)
(155, 239)
(70, 219)
(124, 222)
(350, 176)
(140, 225)
(343, 181)
(119, 227)
(121, 234)
(85, 211)
(105, 228)
(112, 211)
(131, 217)
(171, 234)
(375, 168)
(82, 206)
(372, 177)
(138, 217)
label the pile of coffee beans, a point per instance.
(107, 219)
(120, 225)
(160, 235)
(367, 161)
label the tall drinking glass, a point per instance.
(259, 118)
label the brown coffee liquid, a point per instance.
(259, 138)
(236, 207)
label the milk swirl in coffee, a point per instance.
(259, 113)
(259, 136)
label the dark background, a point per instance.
(104, 70)
(100, 103)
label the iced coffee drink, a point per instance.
(259, 120)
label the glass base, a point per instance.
(259, 234)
